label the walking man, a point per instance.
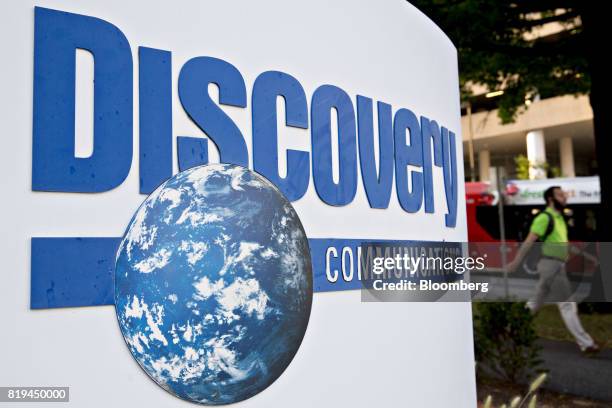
(550, 228)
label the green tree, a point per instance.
(497, 48)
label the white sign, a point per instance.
(194, 76)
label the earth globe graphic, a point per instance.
(213, 284)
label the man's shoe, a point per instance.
(591, 350)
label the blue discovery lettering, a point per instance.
(404, 139)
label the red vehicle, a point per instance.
(478, 194)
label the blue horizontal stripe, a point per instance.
(70, 272)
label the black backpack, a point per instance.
(530, 263)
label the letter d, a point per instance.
(57, 35)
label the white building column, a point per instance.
(566, 152)
(484, 165)
(536, 153)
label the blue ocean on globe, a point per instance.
(213, 284)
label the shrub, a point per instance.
(505, 340)
(522, 167)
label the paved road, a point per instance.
(571, 372)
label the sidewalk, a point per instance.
(571, 372)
